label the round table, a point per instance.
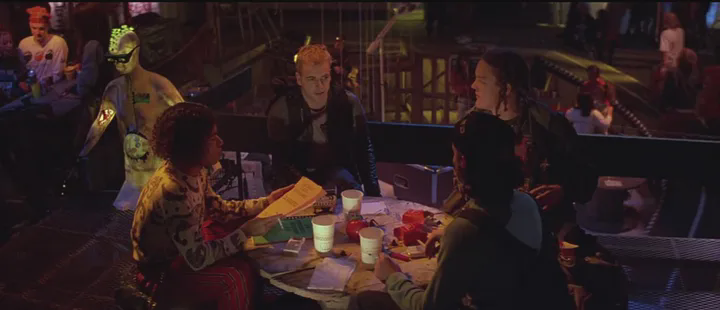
(53, 99)
(607, 211)
(293, 273)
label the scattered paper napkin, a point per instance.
(370, 208)
(332, 274)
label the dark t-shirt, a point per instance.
(320, 153)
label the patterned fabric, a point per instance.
(139, 118)
(231, 284)
(47, 61)
(38, 14)
(168, 220)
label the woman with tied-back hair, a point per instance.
(555, 173)
(586, 119)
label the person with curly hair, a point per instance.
(185, 254)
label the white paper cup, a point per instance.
(323, 232)
(370, 244)
(352, 201)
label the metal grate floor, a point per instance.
(74, 259)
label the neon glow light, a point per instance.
(117, 34)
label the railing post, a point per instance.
(433, 89)
(282, 19)
(446, 115)
(240, 20)
(417, 90)
(399, 98)
(382, 84)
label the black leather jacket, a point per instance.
(290, 130)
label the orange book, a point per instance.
(301, 197)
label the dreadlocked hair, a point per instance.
(511, 69)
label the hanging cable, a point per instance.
(342, 53)
(366, 69)
(322, 23)
(373, 77)
(360, 55)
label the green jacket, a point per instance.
(469, 265)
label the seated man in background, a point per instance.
(10, 67)
(319, 130)
(490, 256)
(180, 255)
(43, 52)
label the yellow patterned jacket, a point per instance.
(169, 217)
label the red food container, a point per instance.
(415, 217)
(354, 224)
(353, 229)
(409, 234)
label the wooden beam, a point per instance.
(416, 115)
(433, 89)
(398, 98)
(427, 144)
(446, 76)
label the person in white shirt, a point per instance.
(672, 41)
(43, 52)
(588, 120)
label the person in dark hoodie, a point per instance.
(319, 130)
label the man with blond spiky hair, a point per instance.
(319, 130)
(138, 98)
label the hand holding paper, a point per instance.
(259, 226)
(278, 193)
(301, 196)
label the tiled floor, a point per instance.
(74, 259)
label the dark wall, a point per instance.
(18, 22)
(430, 145)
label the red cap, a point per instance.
(38, 14)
